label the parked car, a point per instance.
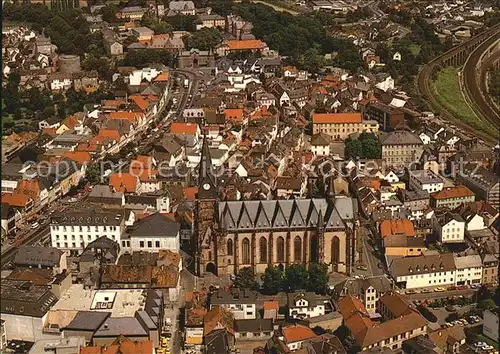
(439, 290)
(450, 308)
(35, 225)
(425, 291)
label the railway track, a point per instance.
(475, 85)
(425, 77)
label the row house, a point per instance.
(400, 148)
(440, 270)
(425, 180)
(452, 197)
(341, 125)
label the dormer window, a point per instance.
(410, 269)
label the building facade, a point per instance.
(400, 148)
(340, 125)
(452, 197)
(425, 180)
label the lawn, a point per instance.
(276, 7)
(449, 95)
(414, 49)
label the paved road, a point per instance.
(442, 294)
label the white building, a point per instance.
(137, 76)
(469, 269)
(153, 233)
(424, 271)
(303, 305)
(425, 180)
(295, 335)
(74, 230)
(449, 227)
(241, 302)
(320, 144)
(490, 326)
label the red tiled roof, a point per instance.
(131, 116)
(190, 193)
(235, 114)
(184, 128)
(140, 102)
(397, 227)
(245, 44)
(82, 157)
(453, 192)
(70, 122)
(16, 199)
(336, 118)
(297, 333)
(123, 182)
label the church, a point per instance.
(230, 235)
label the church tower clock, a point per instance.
(204, 241)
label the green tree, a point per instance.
(101, 65)
(204, 39)
(353, 148)
(296, 278)
(312, 60)
(183, 23)
(371, 149)
(318, 278)
(347, 339)
(93, 174)
(158, 26)
(109, 13)
(487, 304)
(273, 280)
(246, 279)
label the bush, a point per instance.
(427, 313)
(452, 317)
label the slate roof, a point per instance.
(155, 225)
(87, 321)
(33, 255)
(255, 325)
(278, 214)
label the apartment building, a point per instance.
(452, 197)
(241, 302)
(425, 180)
(303, 305)
(367, 290)
(340, 125)
(469, 269)
(490, 269)
(74, 230)
(401, 321)
(482, 182)
(449, 227)
(490, 327)
(388, 117)
(424, 271)
(400, 148)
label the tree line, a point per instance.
(295, 277)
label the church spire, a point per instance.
(330, 191)
(206, 173)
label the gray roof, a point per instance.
(235, 296)
(126, 326)
(280, 214)
(34, 255)
(88, 218)
(425, 176)
(357, 287)
(422, 264)
(400, 137)
(472, 261)
(255, 325)
(155, 225)
(181, 5)
(310, 297)
(23, 298)
(105, 191)
(87, 321)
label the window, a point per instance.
(245, 249)
(157, 244)
(263, 250)
(229, 247)
(141, 244)
(297, 248)
(150, 244)
(280, 249)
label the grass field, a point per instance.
(276, 7)
(448, 93)
(414, 49)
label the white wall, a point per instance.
(25, 328)
(434, 279)
(81, 238)
(154, 244)
(452, 232)
(242, 311)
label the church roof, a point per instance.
(279, 214)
